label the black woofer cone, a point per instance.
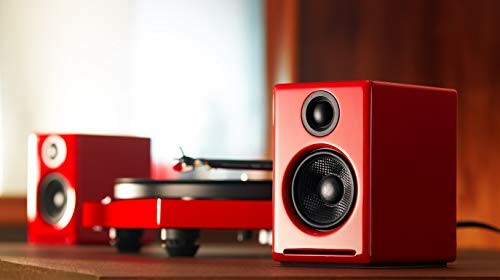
(323, 189)
(52, 198)
(320, 113)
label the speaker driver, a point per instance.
(53, 198)
(320, 113)
(54, 151)
(323, 189)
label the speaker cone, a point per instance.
(53, 198)
(320, 113)
(323, 189)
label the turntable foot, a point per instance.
(180, 242)
(128, 240)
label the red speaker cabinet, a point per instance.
(364, 173)
(66, 170)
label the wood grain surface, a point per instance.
(21, 261)
(443, 43)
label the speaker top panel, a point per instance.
(127, 188)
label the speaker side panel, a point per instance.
(413, 173)
(101, 160)
(292, 239)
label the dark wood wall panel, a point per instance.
(441, 43)
(281, 50)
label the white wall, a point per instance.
(187, 73)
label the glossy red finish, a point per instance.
(91, 165)
(401, 142)
(177, 213)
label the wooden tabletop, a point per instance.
(22, 261)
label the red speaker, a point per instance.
(365, 173)
(66, 170)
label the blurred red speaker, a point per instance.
(66, 170)
(364, 172)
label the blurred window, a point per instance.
(187, 73)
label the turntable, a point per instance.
(180, 209)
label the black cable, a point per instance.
(464, 224)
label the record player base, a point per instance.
(22, 261)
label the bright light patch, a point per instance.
(158, 211)
(33, 176)
(187, 73)
(244, 177)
